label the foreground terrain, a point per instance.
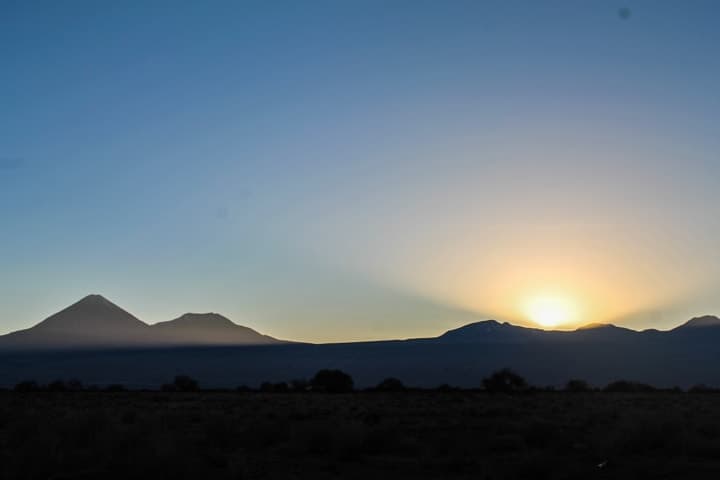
(363, 435)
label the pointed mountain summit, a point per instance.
(207, 329)
(93, 312)
(92, 321)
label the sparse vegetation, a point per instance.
(412, 434)
(332, 381)
(505, 381)
(280, 387)
(390, 385)
(625, 386)
(577, 386)
(182, 383)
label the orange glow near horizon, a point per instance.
(550, 311)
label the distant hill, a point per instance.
(95, 322)
(491, 331)
(699, 323)
(207, 329)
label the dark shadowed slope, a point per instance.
(207, 329)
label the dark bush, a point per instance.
(269, 387)
(65, 386)
(115, 387)
(57, 386)
(702, 388)
(577, 386)
(625, 386)
(390, 385)
(27, 386)
(182, 383)
(445, 388)
(505, 381)
(332, 381)
(299, 385)
(74, 385)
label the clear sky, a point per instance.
(344, 170)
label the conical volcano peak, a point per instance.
(90, 313)
(94, 299)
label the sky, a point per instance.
(340, 171)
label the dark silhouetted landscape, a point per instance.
(359, 239)
(102, 344)
(93, 392)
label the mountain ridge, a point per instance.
(146, 356)
(96, 322)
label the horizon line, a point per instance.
(588, 326)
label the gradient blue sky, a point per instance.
(328, 170)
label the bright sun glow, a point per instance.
(550, 311)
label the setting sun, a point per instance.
(550, 311)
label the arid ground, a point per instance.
(102, 435)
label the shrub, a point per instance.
(27, 386)
(390, 384)
(299, 385)
(115, 387)
(577, 386)
(332, 381)
(625, 386)
(702, 388)
(505, 381)
(182, 383)
(280, 387)
(57, 386)
(74, 385)
(445, 388)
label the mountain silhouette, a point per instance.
(96, 322)
(100, 343)
(699, 322)
(493, 331)
(207, 329)
(92, 321)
